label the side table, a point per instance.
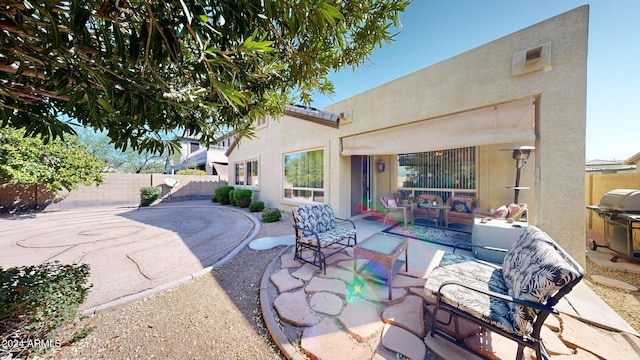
(443, 208)
(494, 234)
(384, 250)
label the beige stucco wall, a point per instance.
(478, 78)
(115, 190)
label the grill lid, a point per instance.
(623, 200)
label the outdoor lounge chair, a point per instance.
(396, 211)
(461, 210)
(511, 213)
(318, 230)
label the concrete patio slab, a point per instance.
(132, 252)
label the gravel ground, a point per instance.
(625, 303)
(217, 316)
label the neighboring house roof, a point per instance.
(313, 114)
(633, 160)
(608, 166)
(304, 113)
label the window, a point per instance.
(247, 173)
(239, 173)
(443, 172)
(261, 122)
(304, 176)
(193, 147)
(252, 173)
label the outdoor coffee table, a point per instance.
(384, 250)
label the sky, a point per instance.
(436, 30)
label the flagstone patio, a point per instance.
(338, 315)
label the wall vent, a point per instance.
(532, 60)
(346, 117)
(533, 54)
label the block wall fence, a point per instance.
(116, 190)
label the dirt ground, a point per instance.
(218, 316)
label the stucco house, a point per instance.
(443, 129)
(609, 167)
(194, 155)
(633, 161)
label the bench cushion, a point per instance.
(317, 217)
(534, 269)
(484, 307)
(331, 236)
(471, 268)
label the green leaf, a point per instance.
(80, 18)
(105, 104)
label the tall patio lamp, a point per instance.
(380, 165)
(520, 155)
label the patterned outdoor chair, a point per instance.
(513, 300)
(318, 230)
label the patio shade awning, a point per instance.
(511, 122)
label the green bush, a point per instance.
(222, 194)
(36, 301)
(191, 172)
(242, 197)
(256, 206)
(271, 215)
(232, 197)
(149, 194)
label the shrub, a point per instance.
(242, 197)
(256, 206)
(36, 300)
(191, 172)
(232, 197)
(271, 215)
(149, 194)
(214, 199)
(222, 194)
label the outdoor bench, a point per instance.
(317, 229)
(512, 300)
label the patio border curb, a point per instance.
(266, 308)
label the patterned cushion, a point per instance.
(534, 270)
(501, 213)
(319, 219)
(489, 309)
(331, 236)
(461, 206)
(473, 269)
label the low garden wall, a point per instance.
(116, 190)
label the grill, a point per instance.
(620, 210)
